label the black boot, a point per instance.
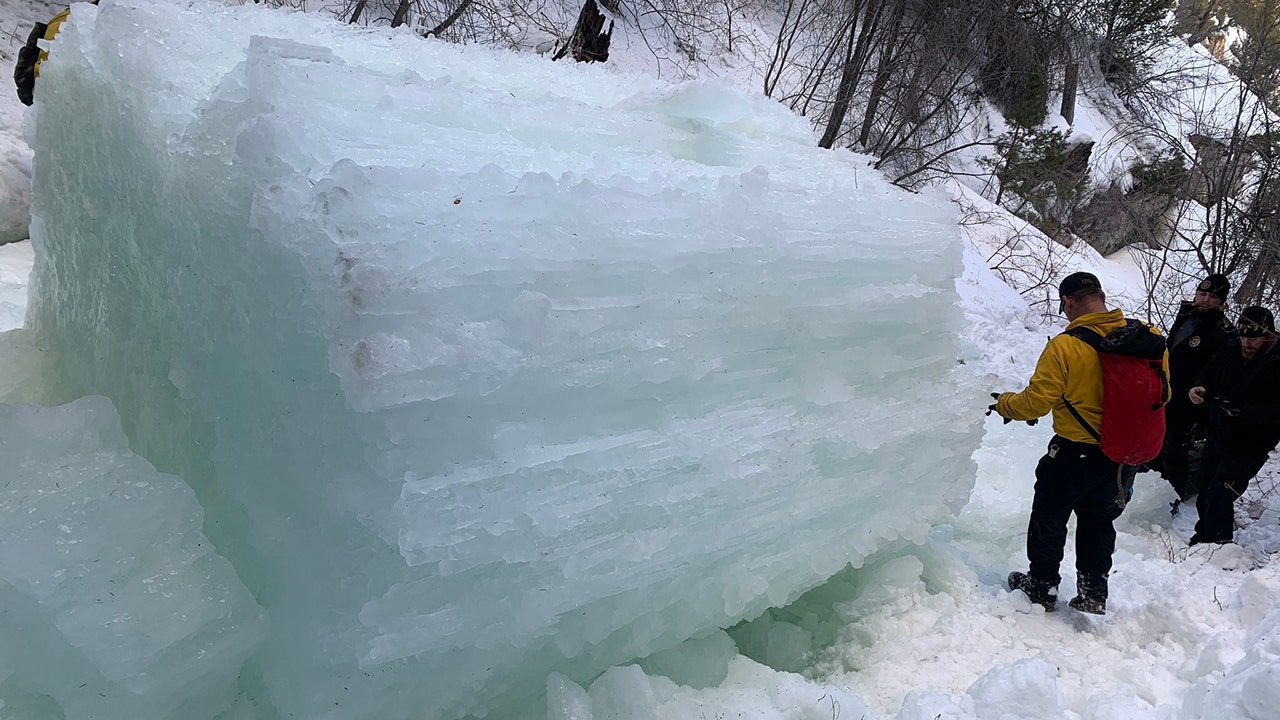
(1091, 595)
(1038, 591)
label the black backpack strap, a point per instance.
(1080, 419)
(1094, 340)
(1166, 392)
(1083, 333)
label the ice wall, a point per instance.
(115, 605)
(481, 366)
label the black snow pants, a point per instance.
(1183, 421)
(1223, 477)
(1075, 477)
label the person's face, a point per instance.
(1207, 301)
(1254, 338)
(1251, 346)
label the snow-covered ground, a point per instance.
(1179, 618)
(1190, 632)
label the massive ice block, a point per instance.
(485, 367)
(115, 605)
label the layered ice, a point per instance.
(483, 367)
(115, 604)
(15, 272)
(14, 187)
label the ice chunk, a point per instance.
(115, 605)
(624, 692)
(1024, 689)
(697, 663)
(566, 700)
(15, 185)
(20, 365)
(486, 367)
(15, 269)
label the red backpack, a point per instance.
(1134, 392)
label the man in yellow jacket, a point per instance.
(30, 56)
(1074, 475)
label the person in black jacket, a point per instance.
(27, 69)
(1241, 388)
(1199, 331)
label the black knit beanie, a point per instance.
(1216, 285)
(1256, 321)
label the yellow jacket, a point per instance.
(1068, 366)
(50, 32)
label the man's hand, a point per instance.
(1196, 394)
(992, 409)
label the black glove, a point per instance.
(992, 408)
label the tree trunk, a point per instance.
(1069, 85)
(1261, 270)
(402, 14)
(355, 14)
(840, 106)
(589, 41)
(782, 46)
(855, 61)
(453, 17)
(883, 71)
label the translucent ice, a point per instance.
(485, 367)
(115, 605)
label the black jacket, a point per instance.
(1193, 340)
(24, 71)
(1243, 398)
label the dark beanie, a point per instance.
(1253, 317)
(1216, 285)
(1075, 282)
